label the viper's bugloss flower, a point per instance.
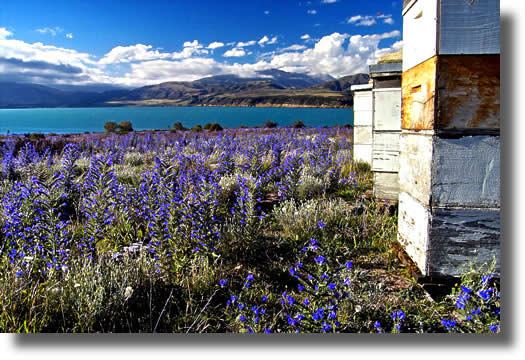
(319, 259)
(484, 295)
(466, 289)
(223, 282)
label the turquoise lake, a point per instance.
(79, 120)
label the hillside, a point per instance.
(269, 88)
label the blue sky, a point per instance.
(136, 42)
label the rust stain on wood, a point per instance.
(452, 92)
(468, 92)
(418, 96)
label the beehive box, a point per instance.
(449, 27)
(449, 175)
(452, 93)
(363, 117)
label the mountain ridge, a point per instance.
(268, 88)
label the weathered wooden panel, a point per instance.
(363, 118)
(387, 82)
(418, 96)
(387, 109)
(363, 153)
(363, 100)
(386, 185)
(415, 165)
(419, 33)
(363, 111)
(466, 172)
(469, 27)
(468, 92)
(363, 135)
(413, 229)
(385, 152)
(385, 69)
(460, 238)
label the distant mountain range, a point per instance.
(268, 88)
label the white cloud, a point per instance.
(51, 31)
(265, 40)
(331, 56)
(294, 47)
(368, 20)
(215, 45)
(69, 35)
(305, 37)
(266, 12)
(235, 52)
(335, 54)
(138, 52)
(45, 64)
(312, 12)
(4, 33)
(190, 49)
(328, 1)
(362, 20)
(248, 43)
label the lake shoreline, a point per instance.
(80, 120)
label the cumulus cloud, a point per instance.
(141, 52)
(362, 20)
(248, 43)
(69, 35)
(4, 33)
(215, 45)
(312, 12)
(330, 55)
(335, 54)
(50, 31)
(294, 47)
(265, 40)
(305, 37)
(45, 64)
(235, 52)
(368, 20)
(138, 52)
(328, 1)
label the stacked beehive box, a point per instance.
(449, 202)
(386, 95)
(362, 122)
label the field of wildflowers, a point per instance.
(245, 230)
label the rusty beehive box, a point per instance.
(452, 92)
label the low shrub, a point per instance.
(298, 124)
(213, 127)
(270, 124)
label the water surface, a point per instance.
(79, 120)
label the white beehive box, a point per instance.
(449, 27)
